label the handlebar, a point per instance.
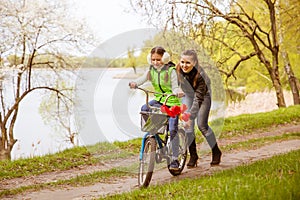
(147, 92)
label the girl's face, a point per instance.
(156, 60)
(187, 63)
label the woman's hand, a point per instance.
(188, 124)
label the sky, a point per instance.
(108, 18)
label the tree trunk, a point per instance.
(287, 65)
(292, 79)
(274, 74)
(275, 52)
(5, 154)
(297, 83)
(5, 148)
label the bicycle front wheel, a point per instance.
(147, 162)
(182, 153)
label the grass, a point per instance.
(83, 180)
(103, 152)
(67, 159)
(276, 178)
(247, 123)
(259, 142)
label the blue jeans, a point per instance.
(202, 120)
(173, 127)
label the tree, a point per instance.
(60, 116)
(226, 27)
(36, 34)
(131, 62)
(287, 11)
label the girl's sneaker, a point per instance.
(174, 165)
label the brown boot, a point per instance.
(193, 155)
(192, 162)
(216, 155)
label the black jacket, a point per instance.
(196, 92)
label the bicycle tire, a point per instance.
(182, 156)
(147, 162)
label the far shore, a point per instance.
(257, 102)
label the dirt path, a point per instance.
(229, 160)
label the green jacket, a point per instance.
(161, 86)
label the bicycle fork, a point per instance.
(158, 140)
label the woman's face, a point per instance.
(186, 63)
(156, 60)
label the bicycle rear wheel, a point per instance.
(146, 166)
(182, 153)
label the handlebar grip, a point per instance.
(135, 87)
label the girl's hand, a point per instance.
(180, 94)
(132, 85)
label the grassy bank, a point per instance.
(249, 123)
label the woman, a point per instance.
(162, 74)
(196, 85)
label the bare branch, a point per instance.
(243, 58)
(24, 94)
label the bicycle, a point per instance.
(156, 144)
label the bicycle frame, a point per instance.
(161, 143)
(155, 145)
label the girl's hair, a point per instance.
(160, 51)
(193, 54)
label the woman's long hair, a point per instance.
(193, 54)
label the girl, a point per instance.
(162, 74)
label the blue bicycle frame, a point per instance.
(157, 138)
